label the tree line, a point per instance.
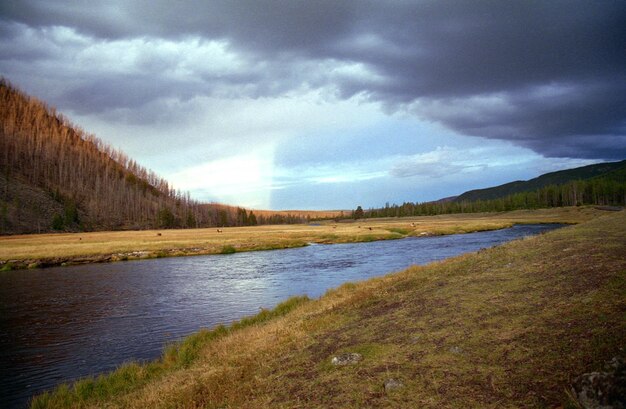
(598, 191)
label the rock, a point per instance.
(392, 384)
(602, 390)
(456, 350)
(349, 358)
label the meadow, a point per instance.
(41, 250)
(506, 327)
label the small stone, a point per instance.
(392, 384)
(346, 359)
(456, 350)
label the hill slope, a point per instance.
(56, 175)
(612, 170)
(26, 208)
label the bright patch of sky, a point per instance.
(246, 179)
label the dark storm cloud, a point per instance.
(549, 75)
(129, 92)
(578, 120)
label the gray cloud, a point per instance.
(546, 75)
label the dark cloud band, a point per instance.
(545, 75)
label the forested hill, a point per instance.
(56, 177)
(608, 170)
(603, 184)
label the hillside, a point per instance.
(56, 177)
(614, 170)
(507, 327)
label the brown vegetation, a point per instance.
(98, 186)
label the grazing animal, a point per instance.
(219, 230)
(158, 234)
(370, 228)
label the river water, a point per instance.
(59, 324)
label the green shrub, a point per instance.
(399, 230)
(57, 222)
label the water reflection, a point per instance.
(59, 324)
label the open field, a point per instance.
(507, 327)
(55, 249)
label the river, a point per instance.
(60, 324)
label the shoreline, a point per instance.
(64, 249)
(137, 255)
(538, 328)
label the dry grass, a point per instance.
(507, 327)
(54, 249)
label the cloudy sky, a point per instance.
(331, 104)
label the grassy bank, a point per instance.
(506, 327)
(55, 249)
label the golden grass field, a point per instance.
(506, 327)
(54, 249)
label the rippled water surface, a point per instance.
(63, 323)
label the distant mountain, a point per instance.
(617, 175)
(446, 199)
(611, 170)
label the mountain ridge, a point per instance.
(604, 169)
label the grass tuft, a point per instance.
(266, 315)
(399, 230)
(182, 354)
(228, 249)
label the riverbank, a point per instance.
(510, 326)
(47, 250)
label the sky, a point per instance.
(331, 104)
